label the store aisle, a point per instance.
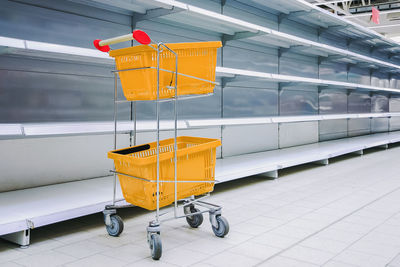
(343, 214)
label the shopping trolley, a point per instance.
(179, 170)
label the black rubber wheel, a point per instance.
(223, 227)
(195, 220)
(156, 246)
(116, 227)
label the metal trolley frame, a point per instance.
(193, 215)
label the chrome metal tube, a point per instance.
(175, 131)
(158, 133)
(176, 135)
(115, 134)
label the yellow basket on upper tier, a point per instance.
(194, 59)
(196, 162)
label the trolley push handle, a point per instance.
(138, 35)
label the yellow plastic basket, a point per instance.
(196, 162)
(194, 59)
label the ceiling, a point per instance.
(359, 11)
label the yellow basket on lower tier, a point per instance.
(194, 59)
(196, 162)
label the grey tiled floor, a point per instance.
(343, 214)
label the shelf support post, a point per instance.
(224, 81)
(237, 36)
(385, 146)
(270, 174)
(322, 162)
(154, 13)
(21, 238)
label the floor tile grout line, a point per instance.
(349, 264)
(323, 206)
(299, 261)
(342, 197)
(305, 185)
(374, 228)
(326, 227)
(55, 251)
(301, 186)
(388, 264)
(339, 198)
(302, 261)
(358, 189)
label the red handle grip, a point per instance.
(104, 48)
(139, 35)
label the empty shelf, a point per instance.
(230, 72)
(284, 119)
(35, 207)
(235, 167)
(49, 129)
(79, 128)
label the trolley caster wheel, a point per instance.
(223, 226)
(194, 221)
(155, 246)
(116, 226)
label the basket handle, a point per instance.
(138, 35)
(131, 150)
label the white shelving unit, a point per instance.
(201, 18)
(31, 208)
(189, 15)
